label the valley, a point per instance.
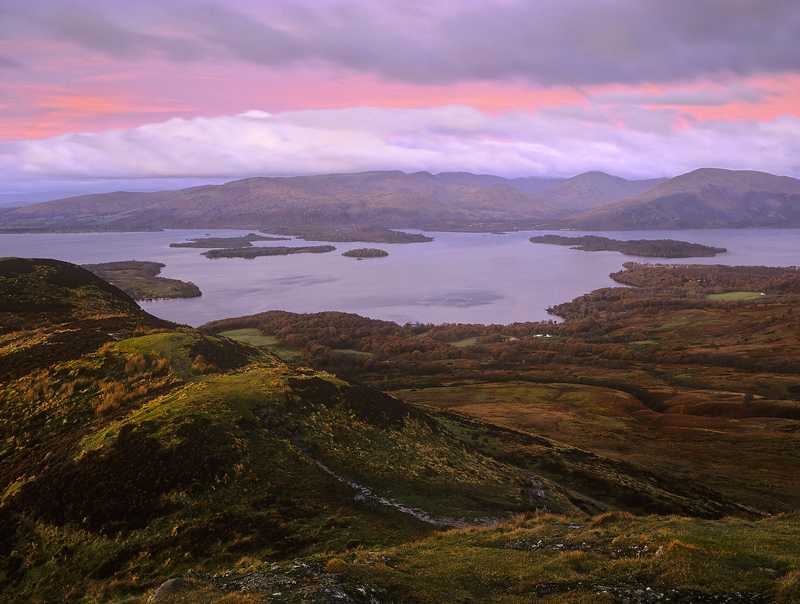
(217, 460)
(351, 302)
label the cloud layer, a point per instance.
(553, 87)
(561, 141)
(551, 42)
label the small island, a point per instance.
(648, 248)
(254, 252)
(353, 234)
(140, 280)
(365, 252)
(226, 242)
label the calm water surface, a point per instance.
(459, 277)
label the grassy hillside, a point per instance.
(609, 558)
(680, 373)
(134, 450)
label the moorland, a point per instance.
(597, 459)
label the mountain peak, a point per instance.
(705, 198)
(595, 174)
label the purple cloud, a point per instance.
(553, 142)
(551, 42)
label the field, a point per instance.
(254, 337)
(734, 296)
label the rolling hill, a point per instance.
(135, 450)
(704, 198)
(592, 190)
(374, 198)
(450, 200)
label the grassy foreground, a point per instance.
(609, 558)
(140, 458)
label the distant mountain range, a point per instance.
(592, 190)
(704, 198)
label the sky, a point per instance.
(160, 94)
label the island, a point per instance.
(365, 252)
(649, 248)
(226, 242)
(355, 233)
(140, 280)
(254, 252)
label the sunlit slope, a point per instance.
(134, 449)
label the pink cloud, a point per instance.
(103, 94)
(64, 88)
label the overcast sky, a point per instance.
(113, 93)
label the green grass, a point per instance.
(251, 336)
(734, 296)
(195, 478)
(464, 343)
(572, 560)
(352, 352)
(254, 337)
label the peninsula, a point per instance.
(355, 233)
(226, 242)
(140, 280)
(255, 252)
(649, 248)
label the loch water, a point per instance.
(457, 278)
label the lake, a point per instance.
(458, 278)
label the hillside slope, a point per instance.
(372, 198)
(592, 190)
(704, 198)
(134, 450)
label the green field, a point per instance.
(465, 342)
(351, 352)
(254, 337)
(734, 296)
